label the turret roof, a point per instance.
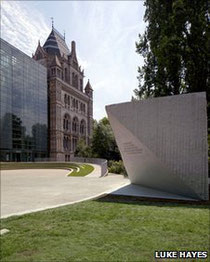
(88, 86)
(55, 44)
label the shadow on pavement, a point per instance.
(160, 202)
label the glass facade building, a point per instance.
(23, 106)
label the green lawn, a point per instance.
(84, 169)
(78, 169)
(105, 231)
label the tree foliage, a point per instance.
(103, 141)
(103, 144)
(82, 149)
(174, 47)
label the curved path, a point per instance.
(96, 172)
(29, 190)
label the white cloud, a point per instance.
(22, 27)
(105, 33)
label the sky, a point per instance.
(105, 33)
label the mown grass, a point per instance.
(78, 169)
(84, 169)
(105, 231)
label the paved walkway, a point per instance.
(24, 191)
(96, 172)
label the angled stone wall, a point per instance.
(163, 142)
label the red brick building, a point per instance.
(70, 104)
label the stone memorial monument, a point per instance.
(163, 143)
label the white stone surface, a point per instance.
(30, 190)
(163, 142)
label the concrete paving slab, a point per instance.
(25, 191)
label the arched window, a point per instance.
(69, 144)
(76, 81)
(74, 143)
(58, 73)
(65, 99)
(75, 125)
(66, 123)
(73, 102)
(82, 108)
(82, 127)
(65, 74)
(66, 143)
(68, 101)
(81, 85)
(53, 71)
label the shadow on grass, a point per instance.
(159, 202)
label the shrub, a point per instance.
(117, 167)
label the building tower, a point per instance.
(89, 93)
(70, 107)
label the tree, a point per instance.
(174, 47)
(103, 144)
(103, 141)
(82, 149)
